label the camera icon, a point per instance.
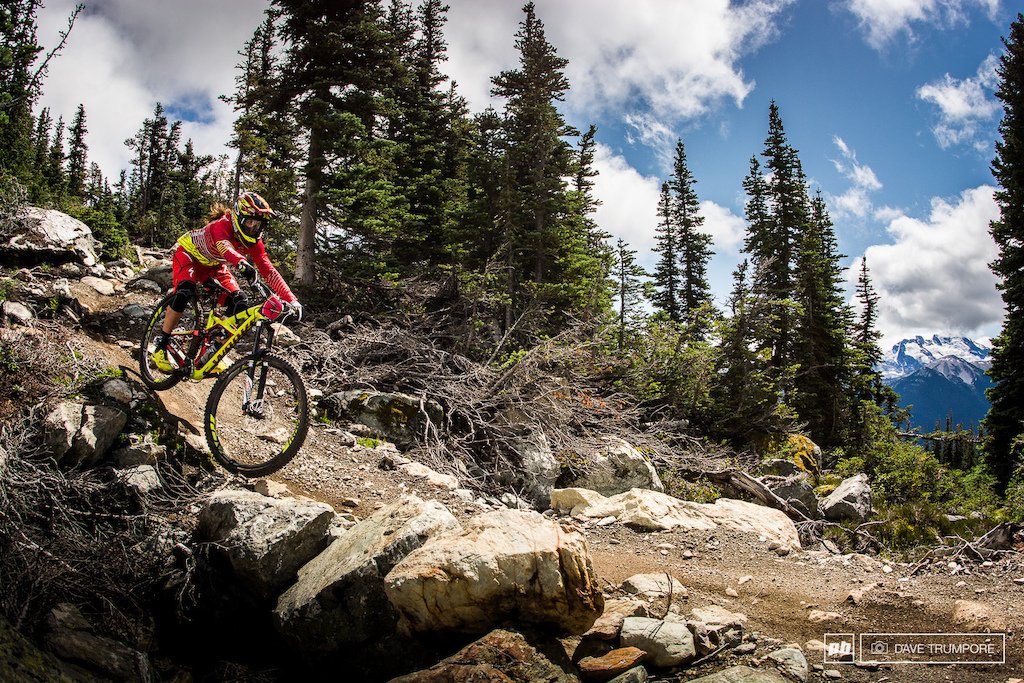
(879, 647)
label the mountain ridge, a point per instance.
(939, 379)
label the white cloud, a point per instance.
(656, 61)
(855, 201)
(883, 20)
(124, 56)
(629, 206)
(935, 275)
(964, 106)
(727, 230)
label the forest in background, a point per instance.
(382, 178)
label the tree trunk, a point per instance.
(305, 255)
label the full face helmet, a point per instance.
(250, 218)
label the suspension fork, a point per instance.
(263, 328)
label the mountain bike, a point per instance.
(257, 413)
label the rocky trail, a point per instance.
(775, 597)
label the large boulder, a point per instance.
(614, 468)
(799, 493)
(79, 434)
(266, 540)
(504, 564)
(653, 511)
(402, 419)
(499, 657)
(339, 601)
(850, 500)
(49, 236)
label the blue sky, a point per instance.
(889, 103)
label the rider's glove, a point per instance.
(295, 308)
(247, 271)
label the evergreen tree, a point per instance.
(694, 246)
(822, 397)
(20, 82)
(666, 271)
(538, 159)
(266, 137)
(77, 151)
(53, 170)
(339, 60)
(629, 277)
(1004, 423)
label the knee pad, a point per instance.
(183, 293)
(236, 302)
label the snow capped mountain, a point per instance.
(912, 354)
(939, 377)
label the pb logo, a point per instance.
(838, 648)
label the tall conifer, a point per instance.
(1004, 451)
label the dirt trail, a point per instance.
(779, 595)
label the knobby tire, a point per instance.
(262, 439)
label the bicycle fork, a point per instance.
(250, 406)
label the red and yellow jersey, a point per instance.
(216, 245)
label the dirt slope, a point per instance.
(779, 595)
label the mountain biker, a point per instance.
(231, 236)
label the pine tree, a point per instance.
(1004, 423)
(629, 277)
(266, 138)
(53, 170)
(539, 159)
(339, 58)
(667, 278)
(77, 152)
(694, 246)
(822, 397)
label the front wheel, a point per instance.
(181, 350)
(254, 426)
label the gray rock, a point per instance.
(399, 418)
(71, 638)
(637, 674)
(616, 468)
(339, 600)
(265, 539)
(160, 272)
(792, 662)
(145, 285)
(138, 454)
(504, 565)
(799, 493)
(742, 674)
(850, 500)
(666, 643)
(137, 311)
(104, 287)
(18, 313)
(142, 478)
(79, 434)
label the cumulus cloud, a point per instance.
(855, 201)
(629, 203)
(935, 275)
(622, 56)
(124, 56)
(964, 106)
(883, 20)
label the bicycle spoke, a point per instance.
(253, 433)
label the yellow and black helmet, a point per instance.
(250, 217)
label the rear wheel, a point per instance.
(254, 427)
(181, 351)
